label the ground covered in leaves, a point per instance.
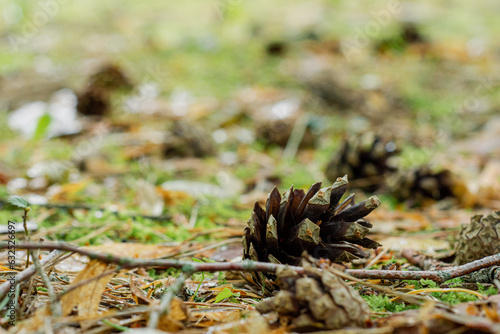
(149, 130)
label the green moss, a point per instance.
(383, 303)
(158, 274)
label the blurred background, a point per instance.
(188, 112)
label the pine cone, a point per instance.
(478, 239)
(276, 131)
(332, 91)
(110, 77)
(316, 300)
(187, 140)
(95, 100)
(365, 159)
(419, 185)
(409, 35)
(312, 221)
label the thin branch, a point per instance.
(25, 225)
(438, 276)
(185, 266)
(77, 206)
(417, 300)
(55, 307)
(27, 273)
(295, 139)
(166, 299)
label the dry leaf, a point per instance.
(174, 321)
(254, 324)
(222, 316)
(88, 296)
(136, 291)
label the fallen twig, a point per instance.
(55, 307)
(27, 273)
(417, 300)
(26, 231)
(76, 206)
(485, 275)
(438, 276)
(423, 261)
(166, 299)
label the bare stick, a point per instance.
(27, 273)
(417, 300)
(97, 208)
(126, 262)
(25, 224)
(438, 276)
(55, 307)
(166, 299)
(298, 132)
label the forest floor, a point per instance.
(174, 144)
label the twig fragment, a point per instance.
(27, 273)
(166, 299)
(438, 276)
(55, 307)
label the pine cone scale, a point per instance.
(318, 204)
(304, 236)
(310, 193)
(338, 190)
(359, 210)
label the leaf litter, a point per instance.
(154, 171)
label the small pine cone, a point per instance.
(316, 300)
(312, 221)
(277, 131)
(94, 102)
(187, 140)
(366, 159)
(110, 77)
(420, 185)
(331, 91)
(478, 239)
(409, 36)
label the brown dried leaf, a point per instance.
(136, 291)
(88, 296)
(174, 320)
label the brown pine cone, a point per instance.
(422, 184)
(366, 159)
(316, 300)
(312, 221)
(478, 239)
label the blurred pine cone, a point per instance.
(312, 221)
(409, 36)
(478, 239)
(95, 100)
(187, 140)
(365, 159)
(110, 77)
(316, 300)
(420, 185)
(277, 131)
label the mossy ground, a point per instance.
(214, 49)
